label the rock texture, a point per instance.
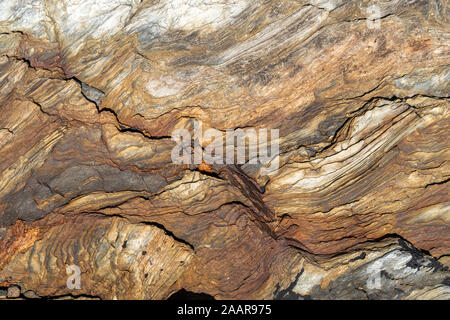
(91, 92)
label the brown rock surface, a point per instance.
(92, 91)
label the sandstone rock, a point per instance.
(14, 292)
(93, 206)
(30, 295)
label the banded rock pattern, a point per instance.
(91, 92)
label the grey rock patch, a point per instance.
(92, 94)
(397, 271)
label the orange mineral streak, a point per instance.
(19, 238)
(204, 167)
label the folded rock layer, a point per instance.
(353, 205)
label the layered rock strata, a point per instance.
(356, 207)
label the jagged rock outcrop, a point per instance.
(356, 206)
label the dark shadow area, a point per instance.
(188, 295)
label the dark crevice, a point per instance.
(131, 129)
(288, 293)
(370, 19)
(404, 243)
(354, 114)
(362, 256)
(12, 32)
(167, 232)
(42, 109)
(7, 129)
(211, 174)
(84, 88)
(437, 183)
(122, 127)
(22, 59)
(189, 295)
(418, 254)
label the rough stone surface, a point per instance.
(13, 292)
(91, 92)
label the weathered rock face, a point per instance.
(356, 207)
